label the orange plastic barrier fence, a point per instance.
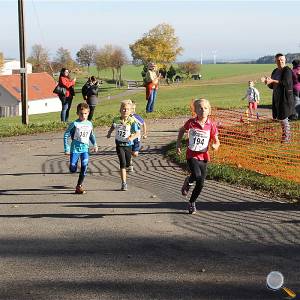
(254, 143)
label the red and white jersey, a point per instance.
(199, 138)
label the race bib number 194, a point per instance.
(198, 140)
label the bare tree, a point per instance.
(103, 58)
(39, 59)
(118, 59)
(188, 68)
(86, 55)
(64, 59)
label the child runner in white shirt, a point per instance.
(252, 94)
(126, 130)
(137, 142)
(201, 132)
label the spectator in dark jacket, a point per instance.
(90, 92)
(281, 82)
(66, 100)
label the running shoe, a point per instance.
(186, 186)
(130, 168)
(192, 208)
(79, 190)
(124, 186)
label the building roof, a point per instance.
(39, 85)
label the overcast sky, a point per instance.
(234, 29)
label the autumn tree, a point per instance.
(1, 61)
(188, 68)
(159, 45)
(64, 59)
(86, 55)
(39, 59)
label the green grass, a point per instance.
(208, 72)
(172, 101)
(237, 176)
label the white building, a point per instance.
(13, 67)
(40, 95)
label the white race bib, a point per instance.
(198, 140)
(122, 132)
(82, 133)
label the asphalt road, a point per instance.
(139, 244)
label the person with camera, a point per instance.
(66, 98)
(90, 91)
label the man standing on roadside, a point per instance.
(281, 82)
(151, 80)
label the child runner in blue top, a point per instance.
(126, 131)
(137, 142)
(81, 133)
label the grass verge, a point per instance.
(275, 187)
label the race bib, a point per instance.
(82, 134)
(122, 132)
(198, 140)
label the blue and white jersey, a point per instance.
(81, 133)
(138, 119)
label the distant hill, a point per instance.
(269, 59)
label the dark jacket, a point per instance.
(90, 92)
(282, 99)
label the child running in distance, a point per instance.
(81, 133)
(201, 132)
(252, 94)
(126, 130)
(137, 142)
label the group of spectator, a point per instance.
(90, 92)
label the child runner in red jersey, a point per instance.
(201, 132)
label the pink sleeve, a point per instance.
(214, 130)
(186, 125)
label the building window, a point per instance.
(46, 104)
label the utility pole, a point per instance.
(23, 71)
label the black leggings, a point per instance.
(124, 155)
(198, 170)
(91, 114)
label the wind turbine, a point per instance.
(214, 52)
